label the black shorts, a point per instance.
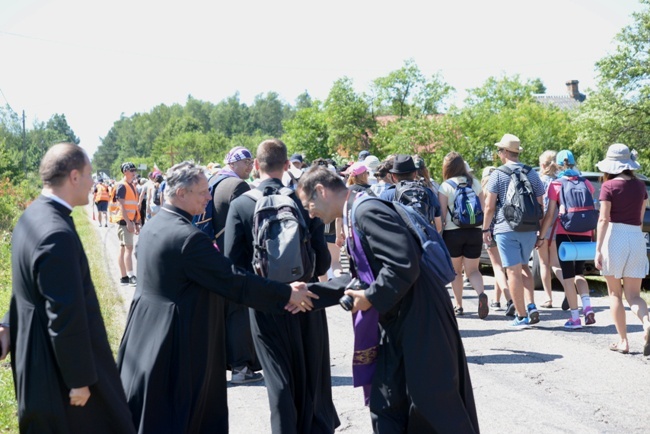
(464, 242)
(571, 269)
(102, 206)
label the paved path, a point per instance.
(542, 379)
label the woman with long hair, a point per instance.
(620, 244)
(547, 252)
(464, 244)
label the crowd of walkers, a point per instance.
(221, 285)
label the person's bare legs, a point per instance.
(474, 275)
(457, 283)
(632, 290)
(618, 311)
(120, 261)
(499, 274)
(529, 284)
(516, 286)
(545, 270)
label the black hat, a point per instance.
(296, 157)
(127, 166)
(403, 164)
(363, 154)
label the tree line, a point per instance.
(402, 112)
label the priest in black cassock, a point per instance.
(172, 357)
(64, 373)
(293, 350)
(421, 382)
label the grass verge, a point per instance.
(109, 300)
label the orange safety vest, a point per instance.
(102, 193)
(130, 204)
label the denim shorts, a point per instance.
(515, 247)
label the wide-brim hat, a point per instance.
(403, 164)
(618, 159)
(510, 142)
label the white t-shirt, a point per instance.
(449, 191)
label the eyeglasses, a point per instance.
(246, 161)
(133, 170)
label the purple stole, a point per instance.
(366, 324)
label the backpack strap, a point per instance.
(254, 194)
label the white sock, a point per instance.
(575, 314)
(130, 273)
(586, 300)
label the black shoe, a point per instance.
(133, 281)
(483, 308)
(565, 304)
(510, 309)
(459, 311)
(124, 280)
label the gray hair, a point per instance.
(183, 175)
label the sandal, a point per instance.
(458, 311)
(548, 304)
(614, 347)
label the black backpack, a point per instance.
(414, 194)
(521, 209)
(204, 221)
(156, 194)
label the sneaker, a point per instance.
(590, 316)
(133, 281)
(495, 305)
(459, 311)
(533, 314)
(483, 308)
(124, 280)
(106, 225)
(573, 324)
(245, 375)
(510, 309)
(565, 304)
(101, 225)
(520, 323)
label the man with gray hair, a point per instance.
(171, 358)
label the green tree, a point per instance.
(619, 109)
(266, 114)
(63, 133)
(307, 132)
(348, 118)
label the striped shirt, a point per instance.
(498, 184)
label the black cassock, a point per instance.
(172, 357)
(58, 338)
(293, 350)
(421, 383)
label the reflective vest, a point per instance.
(130, 204)
(102, 193)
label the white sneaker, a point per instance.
(245, 375)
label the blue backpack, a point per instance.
(204, 221)
(577, 211)
(467, 211)
(435, 259)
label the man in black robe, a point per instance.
(172, 357)
(293, 350)
(64, 373)
(421, 383)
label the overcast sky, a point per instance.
(93, 61)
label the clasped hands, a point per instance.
(300, 300)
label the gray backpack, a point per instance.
(521, 209)
(281, 241)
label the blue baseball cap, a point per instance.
(565, 155)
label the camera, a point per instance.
(347, 301)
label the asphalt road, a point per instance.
(543, 379)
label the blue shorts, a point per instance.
(515, 247)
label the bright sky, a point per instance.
(93, 61)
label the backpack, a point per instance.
(204, 221)
(415, 195)
(435, 259)
(467, 211)
(521, 209)
(282, 248)
(577, 211)
(156, 195)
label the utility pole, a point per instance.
(24, 147)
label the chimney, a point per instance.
(572, 89)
